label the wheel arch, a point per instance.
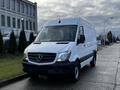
(77, 60)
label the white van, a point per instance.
(64, 46)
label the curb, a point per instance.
(12, 80)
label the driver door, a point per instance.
(81, 47)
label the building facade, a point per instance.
(18, 15)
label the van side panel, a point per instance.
(90, 43)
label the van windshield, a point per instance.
(57, 33)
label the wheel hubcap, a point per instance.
(76, 72)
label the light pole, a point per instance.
(22, 20)
(105, 21)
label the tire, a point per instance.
(76, 73)
(93, 62)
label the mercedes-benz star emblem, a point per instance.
(40, 57)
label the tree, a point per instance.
(114, 39)
(1, 43)
(12, 44)
(31, 38)
(110, 36)
(118, 39)
(22, 42)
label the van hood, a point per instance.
(48, 47)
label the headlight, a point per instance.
(63, 56)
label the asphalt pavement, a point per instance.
(105, 76)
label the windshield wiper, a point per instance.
(36, 42)
(62, 42)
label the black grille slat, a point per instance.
(41, 57)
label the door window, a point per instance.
(81, 30)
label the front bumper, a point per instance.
(57, 68)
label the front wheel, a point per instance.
(76, 73)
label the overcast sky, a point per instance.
(95, 11)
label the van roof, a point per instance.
(65, 21)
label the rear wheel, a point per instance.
(93, 62)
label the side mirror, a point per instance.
(78, 41)
(81, 39)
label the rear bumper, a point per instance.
(57, 68)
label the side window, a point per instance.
(81, 36)
(81, 30)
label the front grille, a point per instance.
(41, 57)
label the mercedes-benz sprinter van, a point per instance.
(63, 46)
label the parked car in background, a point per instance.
(107, 42)
(99, 42)
(6, 37)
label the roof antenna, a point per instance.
(59, 20)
